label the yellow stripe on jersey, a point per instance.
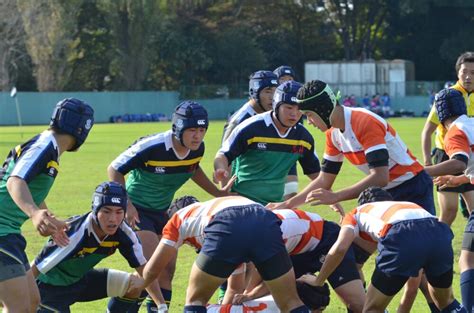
(173, 163)
(53, 164)
(109, 244)
(282, 141)
(18, 150)
(87, 250)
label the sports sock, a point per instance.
(194, 309)
(221, 292)
(454, 307)
(135, 307)
(467, 289)
(119, 305)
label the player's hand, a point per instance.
(132, 215)
(225, 190)
(240, 298)
(220, 175)
(277, 206)
(321, 196)
(310, 279)
(446, 181)
(135, 286)
(337, 207)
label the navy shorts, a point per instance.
(415, 244)
(439, 156)
(312, 261)
(468, 239)
(151, 220)
(418, 190)
(91, 287)
(243, 234)
(13, 259)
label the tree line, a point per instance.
(85, 45)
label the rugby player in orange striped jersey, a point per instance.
(409, 239)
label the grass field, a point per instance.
(80, 172)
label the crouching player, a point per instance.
(308, 239)
(65, 275)
(409, 239)
(459, 143)
(228, 231)
(316, 298)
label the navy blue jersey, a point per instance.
(62, 266)
(263, 157)
(156, 170)
(36, 162)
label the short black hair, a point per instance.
(466, 57)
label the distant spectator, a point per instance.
(366, 101)
(386, 104)
(346, 102)
(353, 101)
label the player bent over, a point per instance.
(26, 178)
(228, 231)
(409, 239)
(308, 239)
(66, 275)
(459, 141)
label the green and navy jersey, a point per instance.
(36, 162)
(155, 170)
(263, 157)
(245, 112)
(63, 266)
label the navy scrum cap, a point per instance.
(188, 114)
(73, 117)
(284, 70)
(109, 194)
(449, 102)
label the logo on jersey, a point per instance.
(322, 258)
(116, 200)
(159, 170)
(262, 146)
(201, 122)
(297, 149)
(88, 124)
(51, 171)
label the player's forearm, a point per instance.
(201, 179)
(221, 162)
(322, 181)
(378, 177)
(332, 260)
(21, 195)
(452, 166)
(426, 141)
(115, 175)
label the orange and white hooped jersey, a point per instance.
(365, 132)
(187, 225)
(460, 140)
(301, 231)
(372, 221)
